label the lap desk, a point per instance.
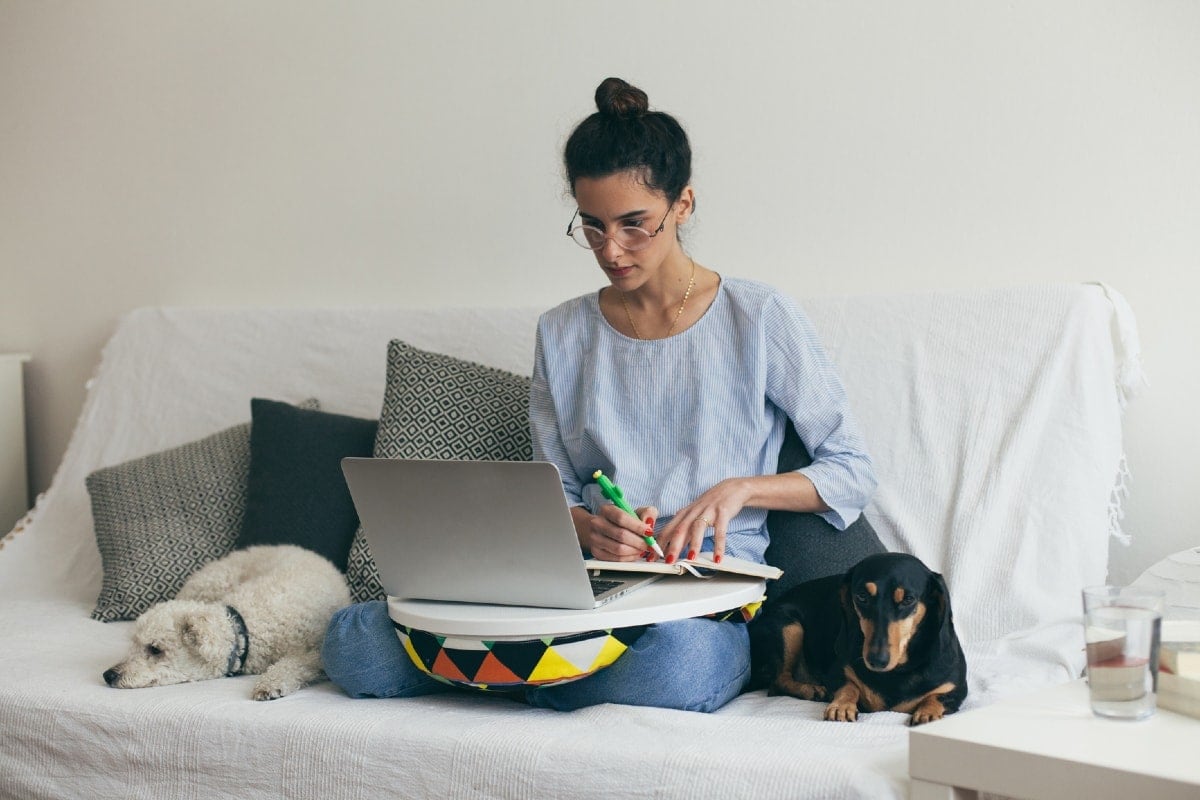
(670, 598)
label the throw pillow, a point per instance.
(296, 493)
(161, 517)
(437, 406)
(804, 545)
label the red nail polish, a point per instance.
(650, 522)
(670, 558)
(691, 554)
(717, 558)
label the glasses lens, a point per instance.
(588, 237)
(593, 238)
(632, 238)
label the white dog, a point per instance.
(259, 611)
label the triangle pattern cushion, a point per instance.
(481, 664)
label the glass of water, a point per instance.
(1122, 628)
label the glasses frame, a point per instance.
(572, 227)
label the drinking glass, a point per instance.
(1122, 628)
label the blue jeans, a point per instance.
(687, 664)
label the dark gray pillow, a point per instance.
(296, 493)
(804, 545)
(161, 517)
(440, 407)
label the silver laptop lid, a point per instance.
(470, 531)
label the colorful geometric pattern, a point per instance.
(481, 664)
(742, 614)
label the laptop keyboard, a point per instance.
(600, 586)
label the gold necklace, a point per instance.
(678, 312)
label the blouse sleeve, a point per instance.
(544, 428)
(802, 382)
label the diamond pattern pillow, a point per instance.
(437, 406)
(161, 517)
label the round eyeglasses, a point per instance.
(629, 237)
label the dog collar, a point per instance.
(241, 643)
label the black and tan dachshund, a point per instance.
(880, 637)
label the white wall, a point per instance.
(300, 153)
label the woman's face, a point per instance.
(622, 200)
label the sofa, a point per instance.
(994, 418)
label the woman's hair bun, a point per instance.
(616, 97)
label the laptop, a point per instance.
(497, 532)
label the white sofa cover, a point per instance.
(993, 416)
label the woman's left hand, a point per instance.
(714, 509)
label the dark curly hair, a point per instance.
(623, 135)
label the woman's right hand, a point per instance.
(614, 535)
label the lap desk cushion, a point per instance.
(972, 404)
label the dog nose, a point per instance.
(878, 659)
(111, 676)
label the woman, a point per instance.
(678, 383)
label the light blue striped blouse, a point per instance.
(667, 419)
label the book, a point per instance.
(1180, 658)
(1179, 694)
(1179, 667)
(702, 566)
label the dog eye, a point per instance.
(862, 597)
(152, 650)
(908, 600)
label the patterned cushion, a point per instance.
(436, 406)
(494, 665)
(161, 517)
(510, 663)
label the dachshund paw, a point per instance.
(813, 691)
(841, 712)
(923, 715)
(798, 689)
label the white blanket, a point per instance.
(994, 421)
(67, 735)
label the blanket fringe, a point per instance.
(1116, 503)
(24, 522)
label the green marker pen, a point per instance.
(614, 493)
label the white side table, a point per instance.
(1048, 745)
(14, 485)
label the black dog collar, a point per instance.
(241, 643)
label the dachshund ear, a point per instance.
(849, 614)
(941, 598)
(848, 640)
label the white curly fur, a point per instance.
(285, 594)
